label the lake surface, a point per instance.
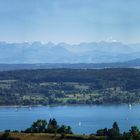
(82, 119)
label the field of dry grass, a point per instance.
(42, 136)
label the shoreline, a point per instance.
(58, 105)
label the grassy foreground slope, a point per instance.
(40, 130)
(41, 136)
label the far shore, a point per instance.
(57, 105)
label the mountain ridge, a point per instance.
(94, 52)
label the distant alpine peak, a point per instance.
(90, 52)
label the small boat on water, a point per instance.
(50, 114)
(30, 108)
(130, 106)
(79, 123)
(16, 109)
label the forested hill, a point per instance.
(127, 78)
(69, 86)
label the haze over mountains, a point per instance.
(95, 52)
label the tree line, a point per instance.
(52, 127)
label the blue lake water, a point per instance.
(82, 119)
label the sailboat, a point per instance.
(30, 108)
(79, 123)
(130, 106)
(16, 109)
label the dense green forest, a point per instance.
(69, 86)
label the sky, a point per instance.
(70, 21)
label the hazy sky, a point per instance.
(70, 21)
